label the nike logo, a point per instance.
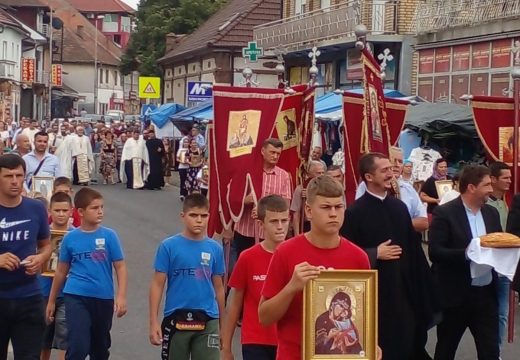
(6, 225)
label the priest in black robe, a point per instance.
(380, 223)
(156, 152)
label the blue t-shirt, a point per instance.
(189, 265)
(90, 255)
(21, 228)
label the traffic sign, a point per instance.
(252, 51)
(149, 87)
(199, 91)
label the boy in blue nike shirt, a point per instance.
(87, 256)
(193, 266)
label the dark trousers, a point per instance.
(479, 313)
(242, 242)
(183, 174)
(75, 177)
(89, 321)
(22, 321)
(258, 352)
(129, 172)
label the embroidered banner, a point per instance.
(244, 118)
(372, 123)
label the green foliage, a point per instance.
(155, 19)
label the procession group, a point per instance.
(283, 240)
(91, 153)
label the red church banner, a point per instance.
(372, 123)
(244, 118)
(287, 129)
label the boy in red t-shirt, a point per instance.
(301, 259)
(63, 184)
(247, 280)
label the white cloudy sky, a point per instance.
(132, 3)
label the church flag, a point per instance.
(494, 119)
(306, 131)
(244, 118)
(372, 123)
(287, 130)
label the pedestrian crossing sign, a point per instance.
(149, 87)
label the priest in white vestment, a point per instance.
(135, 165)
(76, 158)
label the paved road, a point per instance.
(143, 219)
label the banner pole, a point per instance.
(515, 74)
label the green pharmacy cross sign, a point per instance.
(252, 51)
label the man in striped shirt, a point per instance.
(276, 181)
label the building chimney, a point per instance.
(79, 31)
(172, 40)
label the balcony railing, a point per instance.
(7, 68)
(335, 22)
(442, 14)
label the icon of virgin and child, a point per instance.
(336, 333)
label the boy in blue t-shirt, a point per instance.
(87, 255)
(193, 266)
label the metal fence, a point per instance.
(442, 14)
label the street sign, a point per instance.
(252, 51)
(56, 75)
(199, 91)
(146, 109)
(149, 87)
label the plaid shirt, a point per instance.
(274, 182)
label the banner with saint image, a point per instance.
(244, 118)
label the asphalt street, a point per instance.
(143, 218)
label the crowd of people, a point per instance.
(92, 153)
(282, 241)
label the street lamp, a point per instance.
(98, 17)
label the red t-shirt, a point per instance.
(249, 275)
(289, 254)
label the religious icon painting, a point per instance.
(286, 128)
(242, 134)
(373, 114)
(443, 186)
(505, 143)
(49, 268)
(340, 316)
(42, 186)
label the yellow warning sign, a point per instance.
(149, 87)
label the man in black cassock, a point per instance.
(380, 224)
(156, 153)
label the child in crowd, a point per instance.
(300, 259)
(247, 280)
(203, 179)
(193, 266)
(87, 256)
(64, 184)
(55, 335)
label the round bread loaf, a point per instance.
(500, 240)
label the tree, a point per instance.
(155, 19)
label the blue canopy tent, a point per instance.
(329, 107)
(160, 116)
(201, 113)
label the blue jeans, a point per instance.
(89, 321)
(502, 286)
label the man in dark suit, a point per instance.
(465, 302)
